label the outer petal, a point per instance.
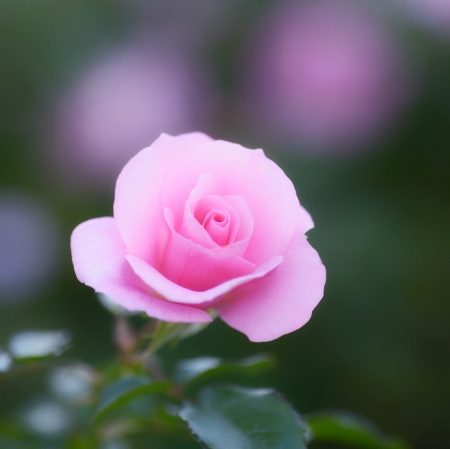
(306, 221)
(267, 191)
(174, 292)
(281, 302)
(99, 259)
(137, 209)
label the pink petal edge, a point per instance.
(173, 292)
(137, 209)
(281, 302)
(98, 255)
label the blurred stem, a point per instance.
(154, 368)
(125, 339)
(159, 333)
(159, 337)
(148, 330)
(163, 333)
(128, 342)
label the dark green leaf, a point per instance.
(125, 390)
(81, 442)
(230, 417)
(199, 369)
(13, 430)
(349, 429)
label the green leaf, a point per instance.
(202, 368)
(12, 429)
(81, 442)
(349, 429)
(124, 390)
(243, 418)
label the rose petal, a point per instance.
(99, 260)
(137, 208)
(245, 230)
(218, 225)
(220, 219)
(267, 191)
(197, 268)
(240, 235)
(190, 227)
(306, 222)
(208, 185)
(281, 302)
(173, 292)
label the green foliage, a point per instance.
(80, 442)
(200, 369)
(12, 430)
(242, 418)
(124, 390)
(173, 333)
(139, 399)
(350, 430)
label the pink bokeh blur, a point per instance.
(30, 249)
(433, 13)
(324, 75)
(121, 104)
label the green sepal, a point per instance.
(172, 333)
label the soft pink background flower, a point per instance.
(434, 13)
(324, 74)
(123, 101)
(202, 224)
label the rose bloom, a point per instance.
(201, 224)
(324, 74)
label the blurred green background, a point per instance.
(378, 343)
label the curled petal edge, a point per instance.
(98, 255)
(175, 293)
(281, 302)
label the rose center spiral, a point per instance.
(216, 223)
(219, 217)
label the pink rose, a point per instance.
(202, 224)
